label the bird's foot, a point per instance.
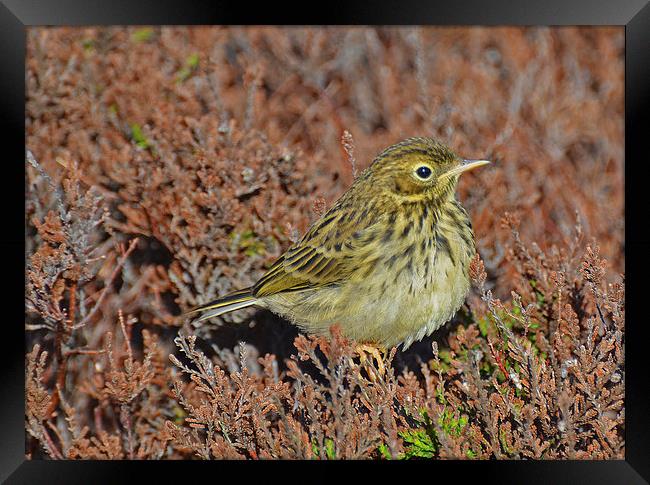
(378, 353)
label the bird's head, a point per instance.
(419, 169)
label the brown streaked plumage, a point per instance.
(388, 261)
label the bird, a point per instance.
(388, 262)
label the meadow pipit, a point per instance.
(388, 262)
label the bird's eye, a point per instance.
(423, 172)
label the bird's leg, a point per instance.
(376, 351)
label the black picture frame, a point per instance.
(16, 15)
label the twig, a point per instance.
(83, 352)
(30, 327)
(72, 307)
(497, 359)
(108, 286)
(98, 420)
(55, 188)
(215, 88)
(125, 419)
(54, 451)
(127, 338)
(62, 365)
(255, 81)
(348, 145)
(56, 432)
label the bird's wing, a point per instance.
(331, 251)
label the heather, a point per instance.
(167, 166)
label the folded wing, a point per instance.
(330, 252)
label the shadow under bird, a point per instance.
(388, 262)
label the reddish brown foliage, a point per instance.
(171, 165)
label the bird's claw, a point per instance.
(375, 352)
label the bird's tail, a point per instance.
(232, 301)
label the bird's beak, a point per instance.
(465, 166)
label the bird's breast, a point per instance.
(431, 294)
